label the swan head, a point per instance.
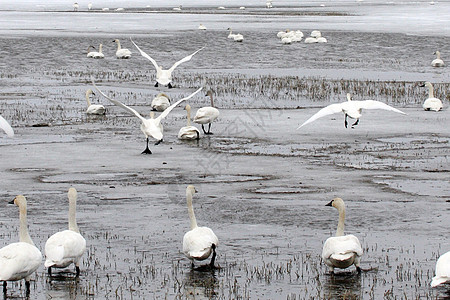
(115, 41)
(187, 107)
(209, 93)
(437, 53)
(89, 92)
(349, 97)
(337, 203)
(427, 84)
(20, 201)
(191, 189)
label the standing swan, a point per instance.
(207, 114)
(164, 77)
(199, 242)
(442, 270)
(188, 132)
(66, 247)
(351, 109)
(19, 260)
(93, 109)
(150, 127)
(4, 125)
(341, 251)
(122, 52)
(438, 62)
(431, 103)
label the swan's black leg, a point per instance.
(192, 264)
(198, 135)
(77, 270)
(147, 150)
(213, 259)
(204, 131)
(156, 84)
(209, 129)
(27, 287)
(4, 287)
(356, 123)
(49, 271)
(158, 142)
(170, 86)
(345, 122)
(358, 269)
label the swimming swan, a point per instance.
(164, 77)
(199, 242)
(122, 52)
(431, 103)
(4, 125)
(351, 109)
(188, 132)
(438, 62)
(150, 127)
(20, 260)
(207, 114)
(66, 247)
(93, 109)
(341, 251)
(99, 54)
(90, 53)
(442, 270)
(236, 37)
(202, 27)
(160, 102)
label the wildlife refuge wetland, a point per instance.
(262, 184)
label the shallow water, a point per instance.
(262, 184)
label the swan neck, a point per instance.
(24, 236)
(191, 210)
(438, 55)
(87, 98)
(72, 215)
(118, 45)
(100, 48)
(212, 101)
(430, 91)
(340, 227)
(188, 116)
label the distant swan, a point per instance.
(442, 270)
(188, 132)
(202, 27)
(341, 251)
(66, 247)
(351, 109)
(150, 127)
(164, 77)
(438, 62)
(122, 52)
(177, 8)
(199, 242)
(160, 102)
(99, 54)
(236, 37)
(20, 260)
(93, 109)
(4, 125)
(90, 53)
(431, 103)
(207, 114)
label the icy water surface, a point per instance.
(262, 184)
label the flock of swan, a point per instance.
(289, 37)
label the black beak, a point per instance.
(330, 203)
(195, 190)
(11, 202)
(422, 85)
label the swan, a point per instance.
(431, 103)
(341, 251)
(438, 62)
(4, 125)
(122, 52)
(66, 247)
(150, 127)
(99, 54)
(286, 40)
(221, 7)
(311, 40)
(75, 6)
(230, 35)
(351, 109)
(207, 114)
(202, 27)
(321, 39)
(164, 77)
(20, 260)
(442, 270)
(316, 33)
(188, 132)
(177, 8)
(236, 37)
(93, 109)
(89, 6)
(199, 242)
(242, 7)
(91, 53)
(160, 102)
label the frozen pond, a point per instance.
(262, 184)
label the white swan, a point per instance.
(90, 53)
(75, 6)
(122, 52)
(160, 102)
(438, 62)
(341, 251)
(89, 6)
(199, 242)
(236, 37)
(20, 260)
(202, 27)
(286, 41)
(4, 125)
(177, 8)
(99, 53)
(93, 109)
(311, 40)
(316, 33)
(207, 114)
(431, 103)
(442, 270)
(188, 132)
(164, 77)
(150, 127)
(66, 247)
(351, 109)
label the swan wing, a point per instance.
(146, 55)
(187, 58)
(340, 246)
(64, 245)
(6, 127)
(127, 108)
(169, 109)
(206, 115)
(197, 243)
(372, 104)
(328, 110)
(442, 270)
(18, 260)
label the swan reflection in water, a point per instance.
(343, 285)
(64, 285)
(200, 284)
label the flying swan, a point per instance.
(341, 251)
(164, 77)
(20, 260)
(150, 127)
(442, 270)
(93, 109)
(351, 109)
(4, 125)
(431, 103)
(199, 242)
(66, 247)
(188, 132)
(207, 114)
